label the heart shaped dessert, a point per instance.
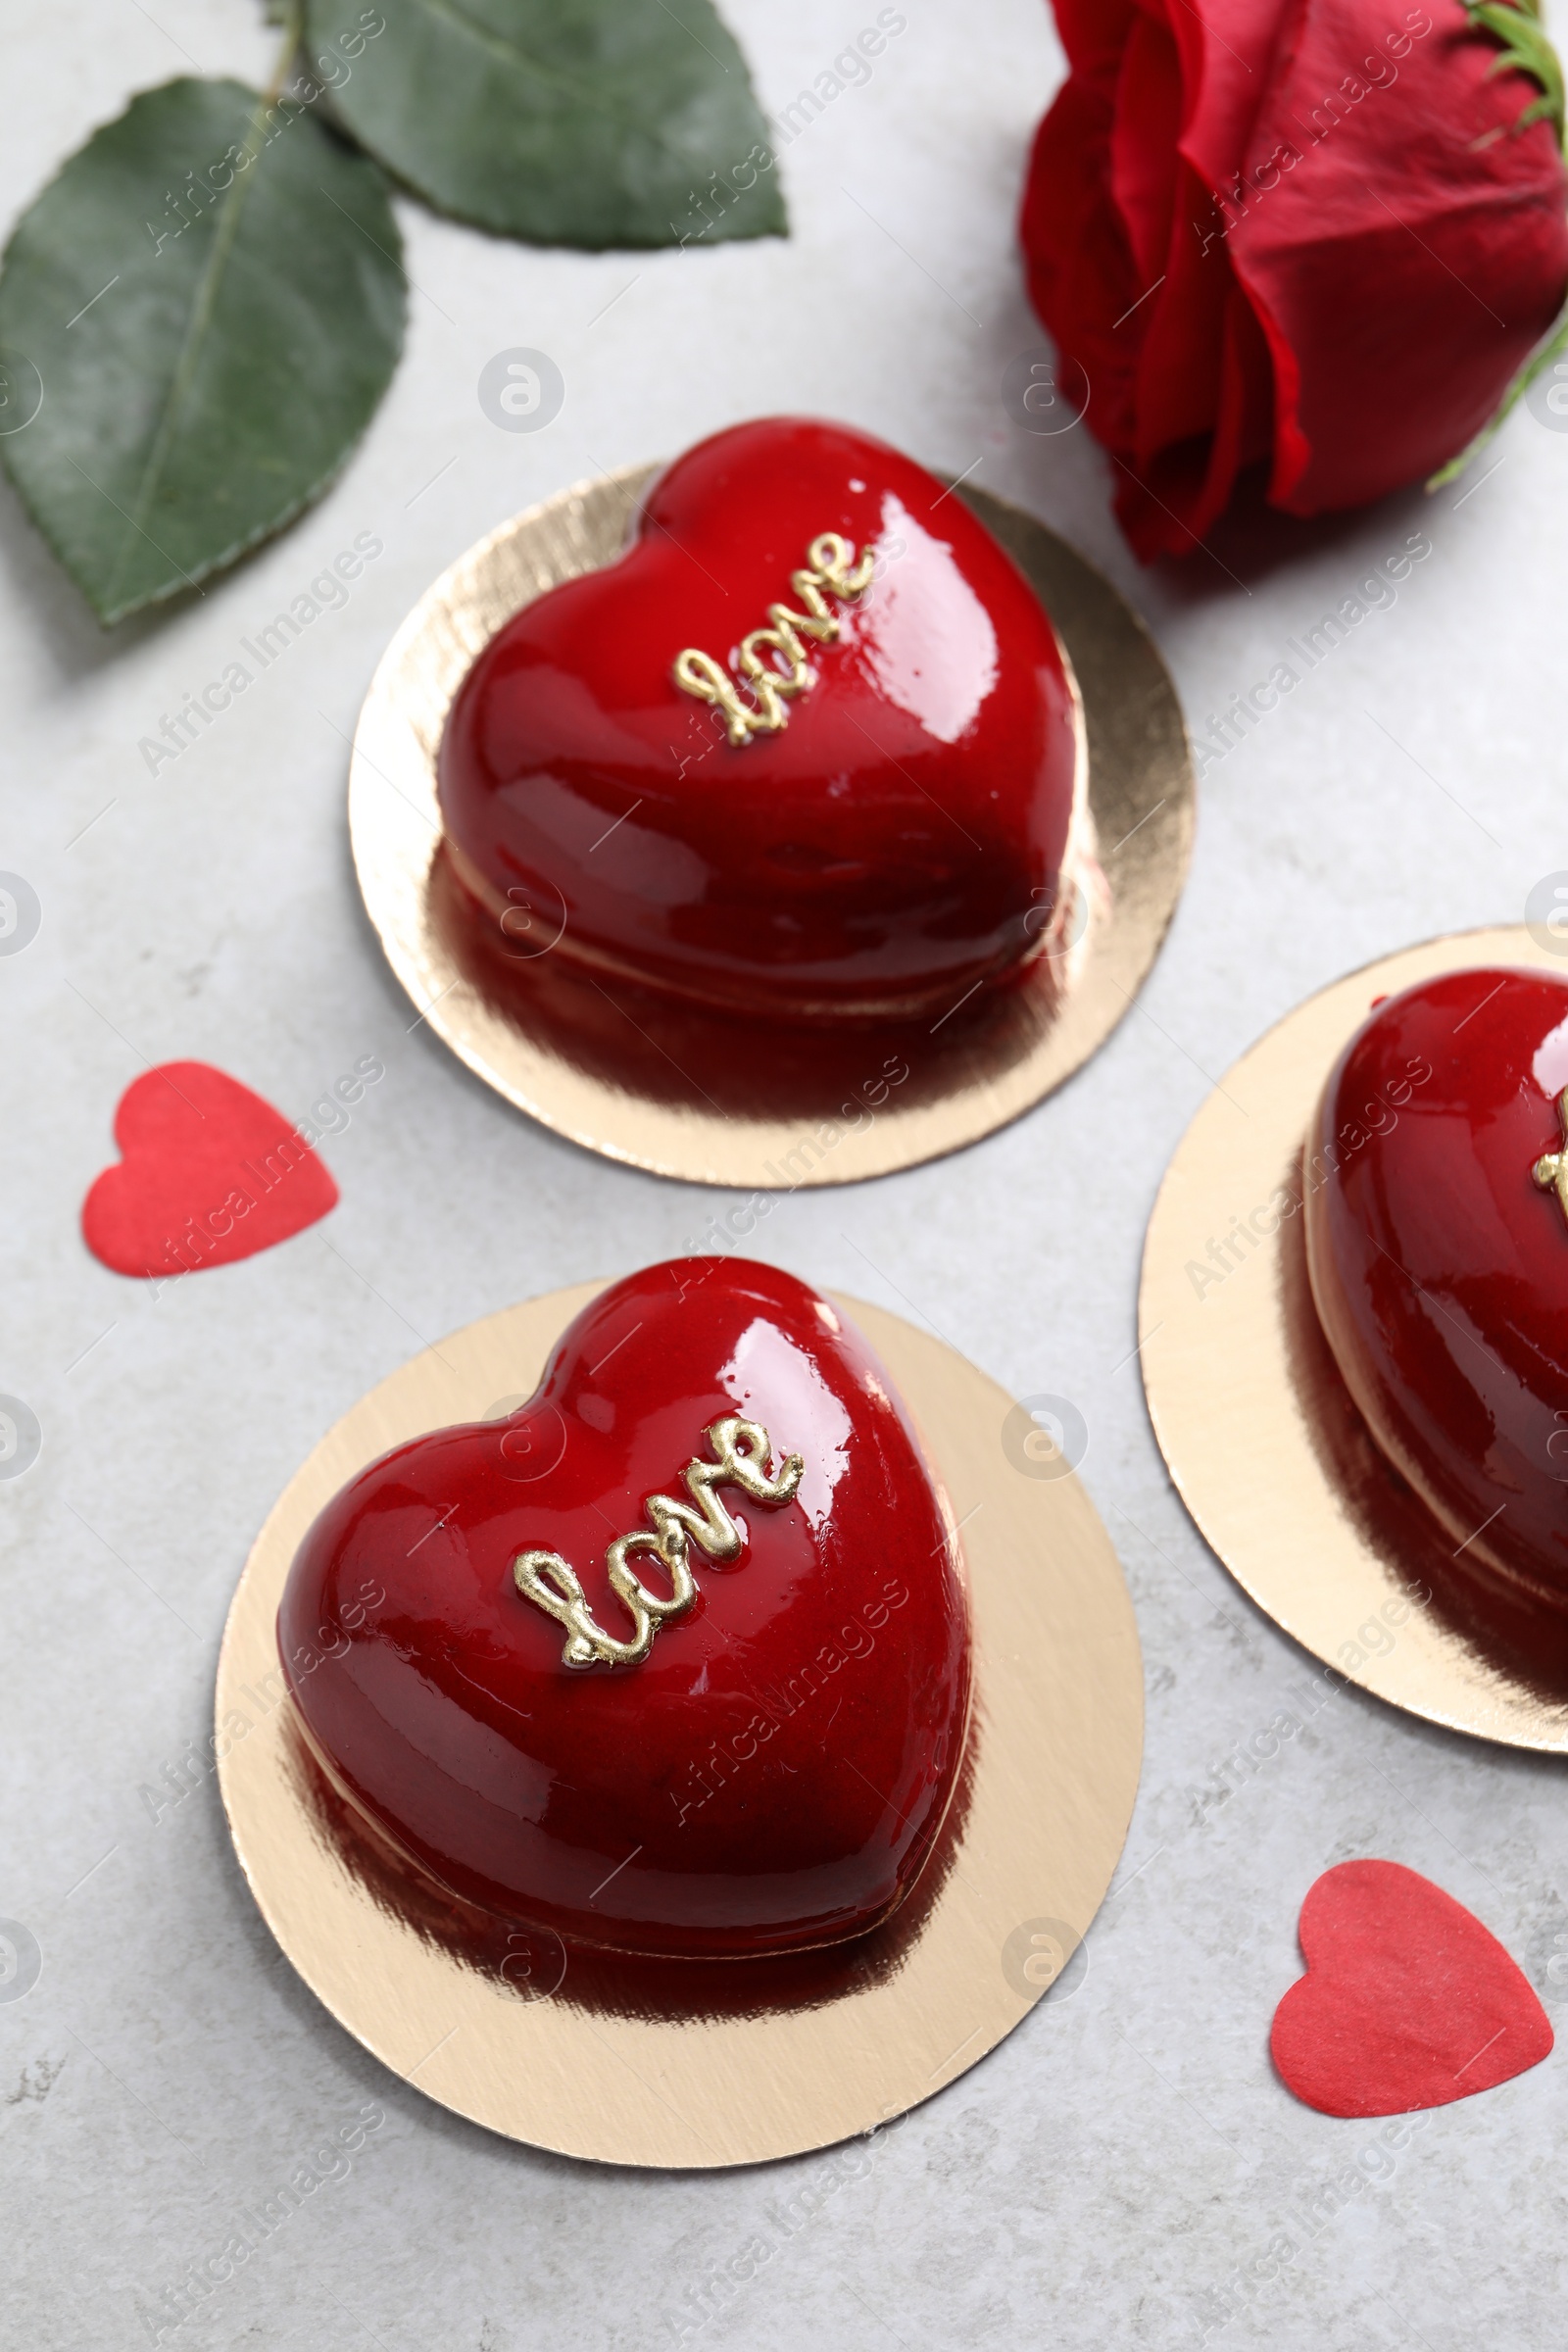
(808, 749)
(675, 1659)
(1408, 2002)
(1437, 1237)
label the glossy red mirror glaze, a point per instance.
(896, 840)
(772, 1775)
(1439, 1268)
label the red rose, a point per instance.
(1313, 231)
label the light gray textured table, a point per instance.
(1118, 2171)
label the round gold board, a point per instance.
(1258, 1429)
(718, 2063)
(643, 1080)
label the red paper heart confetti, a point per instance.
(208, 1173)
(1408, 2002)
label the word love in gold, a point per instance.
(773, 660)
(1551, 1170)
(552, 1584)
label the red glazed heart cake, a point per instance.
(810, 749)
(1436, 1235)
(674, 1660)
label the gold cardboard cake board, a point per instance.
(1258, 1429)
(728, 2062)
(648, 1081)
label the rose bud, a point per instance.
(1295, 231)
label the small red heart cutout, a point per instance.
(674, 1660)
(208, 1173)
(1408, 2002)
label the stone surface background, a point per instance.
(1122, 2170)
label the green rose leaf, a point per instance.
(204, 309)
(588, 122)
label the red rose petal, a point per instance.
(200, 1151)
(1229, 55)
(1408, 2002)
(1143, 142)
(1093, 33)
(1243, 430)
(1179, 366)
(1405, 266)
(1401, 245)
(1082, 277)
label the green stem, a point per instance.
(293, 34)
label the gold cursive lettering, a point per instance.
(743, 1451)
(772, 660)
(1551, 1170)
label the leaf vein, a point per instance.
(511, 53)
(191, 345)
